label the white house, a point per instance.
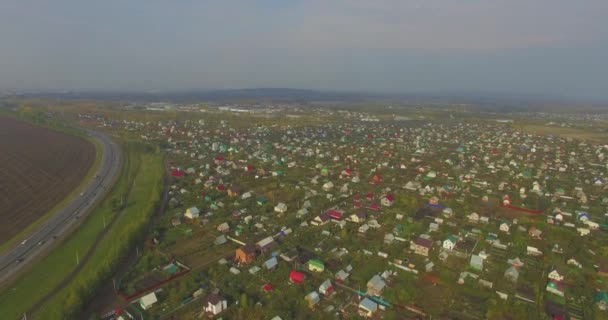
(555, 275)
(280, 208)
(450, 242)
(147, 301)
(215, 304)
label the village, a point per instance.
(372, 218)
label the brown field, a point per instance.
(38, 169)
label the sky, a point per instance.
(540, 47)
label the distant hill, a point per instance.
(498, 102)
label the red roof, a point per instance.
(249, 168)
(357, 205)
(390, 198)
(296, 277)
(374, 207)
(335, 214)
(369, 196)
(219, 158)
(221, 188)
(177, 173)
(267, 287)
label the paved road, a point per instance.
(71, 215)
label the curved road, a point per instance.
(71, 215)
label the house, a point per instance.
(555, 287)
(223, 228)
(512, 274)
(476, 262)
(245, 254)
(312, 299)
(341, 276)
(220, 240)
(148, 300)
(271, 263)
(192, 213)
(246, 195)
(367, 308)
(388, 200)
(215, 304)
(320, 219)
(326, 288)
(328, 186)
(280, 208)
(335, 215)
(555, 275)
(264, 244)
(422, 245)
(296, 277)
(504, 226)
(358, 217)
(450, 242)
(375, 285)
(601, 300)
(290, 255)
(316, 266)
(473, 217)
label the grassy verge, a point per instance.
(53, 269)
(128, 227)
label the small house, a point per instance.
(316, 266)
(312, 299)
(376, 285)
(265, 244)
(450, 242)
(192, 213)
(148, 300)
(555, 287)
(476, 262)
(215, 304)
(388, 200)
(326, 288)
(422, 245)
(245, 254)
(367, 308)
(296, 277)
(280, 208)
(555, 275)
(601, 300)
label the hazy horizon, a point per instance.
(545, 47)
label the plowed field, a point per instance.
(38, 168)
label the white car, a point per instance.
(24, 241)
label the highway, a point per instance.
(59, 225)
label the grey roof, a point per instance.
(368, 304)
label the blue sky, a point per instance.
(548, 47)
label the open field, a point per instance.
(138, 189)
(574, 133)
(40, 167)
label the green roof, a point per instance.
(316, 263)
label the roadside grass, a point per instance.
(43, 277)
(129, 225)
(23, 234)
